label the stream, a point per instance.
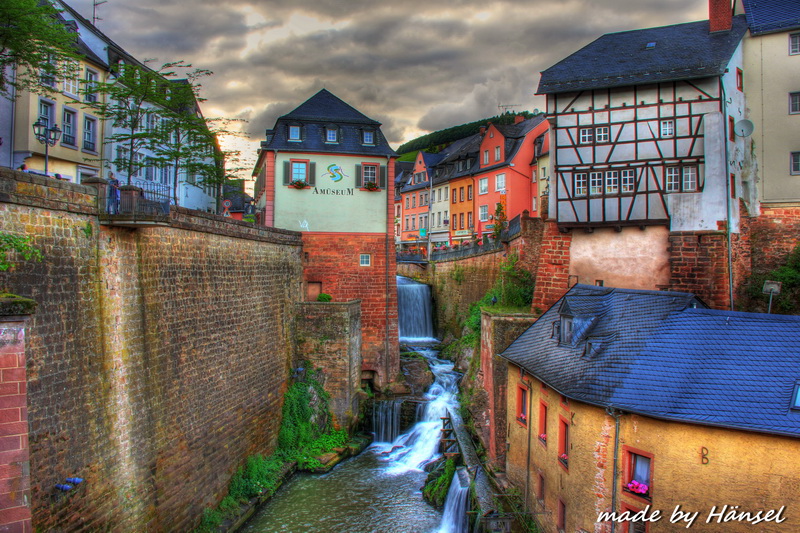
(379, 490)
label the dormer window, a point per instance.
(331, 134)
(294, 133)
(367, 137)
(566, 330)
(795, 404)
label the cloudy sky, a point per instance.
(414, 65)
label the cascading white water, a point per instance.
(417, 447)
(386, 420)
(414, 310)
(456, 506)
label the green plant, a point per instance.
(87, 230)
(20, 245)
(436, 487)
(499, 221)
(211, 521)
(788, 301)
(457, 274)
(323, 297)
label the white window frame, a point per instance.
(794, 163)
(369, 173)
(794, 44)
(483, 186)
(689, 178)
(365, 260)
(293, 129)
(486, 157)
(297, 169)
(331, 135)
(497, 153)
(595, 183)
(794, 103)
(602, 134)
(69, 127)
(580, 185)
(628, 183)
(667, 128)
(483, 213)
(500, 183)
(90, 78)
(585, 135)
(89, 134)
(71, 82)
(612, 181)
(46, 112)
(672, 179)
(368, 137)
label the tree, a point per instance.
(499, 221)
(35, 43)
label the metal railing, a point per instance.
(150, 200)
(466, 251)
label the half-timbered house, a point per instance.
(645, 151)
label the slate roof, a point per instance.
(769, 16)
(653, 353)
(682, 52)
(319, 111)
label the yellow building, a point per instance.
(643, 401)
(76, 155)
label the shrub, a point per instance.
(323, 297)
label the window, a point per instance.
(294, 133)
(580, 186)
(89, 134)
(299, 171)
(497, 153)
(469, 192)
(739, 79)
(628, 180)
(331, 135)
(795, 163)
(689, 178)
(631, 526)
(461, 194)
(368, 137)
(46, 75)
(469, 220)
(439, 219)
(69, 125)
(408, 202)
(595, 183)
(794, 103)
(483, 186)
(668, 128)
(46, 113)
(540, 489)
(486, 157)
(483, 213)
(585, 135)
(408, 223)
(365, 260)
(413, 223)
(461, 220)
(731, 129)
(794, 44)
(638, 473)
(413, 200)
(150, 171)
(673, 179)
(166, 172)
(90, 81)
(369, 174)
(566, 330)
(602, 134)
(500, 183)
(455, 196)
(561, 522)
(71, 83)
(796, 396)
(612, 182)
(543, 423)
(563, 441)
(522, 405)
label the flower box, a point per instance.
(298, 184)
(638, 488)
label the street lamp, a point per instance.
(47, 136)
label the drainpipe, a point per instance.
(610, 411)
(727, 189)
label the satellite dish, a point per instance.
(536, 111)
(743, 128)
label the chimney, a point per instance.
(483, 131)
(518, 119)
(720, 15)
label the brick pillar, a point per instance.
(552, 274)
(15, 475)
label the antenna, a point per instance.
(743, 128)
(506, 107)
(96, 3)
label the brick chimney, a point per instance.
(720, 14)
(518, 119)
(483, 131)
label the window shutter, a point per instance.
(382, 183)
(287, 172)
(358, 176)
(312, 173)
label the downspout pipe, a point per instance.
(610, 411)
(728, 208)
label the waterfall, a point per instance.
(456, 506)
(414, 310)
(419, 446)
(386, 420)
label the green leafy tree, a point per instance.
(19, 245)
(499, 221)
(34, 46)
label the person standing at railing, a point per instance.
(113, 194)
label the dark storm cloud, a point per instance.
(413, 65)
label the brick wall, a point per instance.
(774, 234)
(552, 275)
(328, 337)
(332, 259)
(156, 360)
